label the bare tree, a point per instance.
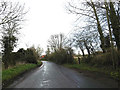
(57, 41)
(11, 18)
(11, 12)
(39, 50)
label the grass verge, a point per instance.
(9, 75)
(115, 74)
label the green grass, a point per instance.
(86, 67)
(81, 67)
(39, 63)
(17, 70)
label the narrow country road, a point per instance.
(51, 75)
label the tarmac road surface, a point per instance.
(51, 75)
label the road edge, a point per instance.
(7, 83)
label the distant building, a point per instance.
(42, 56)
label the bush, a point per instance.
(22, 56)
(105, 59)
(86, 59)
(61, 56)
(102, 59)
(115, 75)
(31, 56)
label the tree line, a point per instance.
(97, 31)
(12, 16)
(101, 31)
(59, 50)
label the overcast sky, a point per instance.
(45, 18)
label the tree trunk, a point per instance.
(110, 33)
(92, 49)
(6, 65)
(115, 25)
(99, 27)
(82, 51)
(87, 48)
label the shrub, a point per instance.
(86, 59)
(61, 56)
(31, 56)
(106, 59)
